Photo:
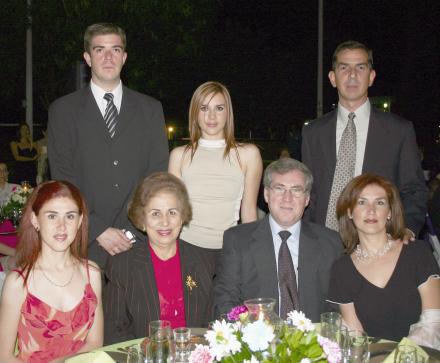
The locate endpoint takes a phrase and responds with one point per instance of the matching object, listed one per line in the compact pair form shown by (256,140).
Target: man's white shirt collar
(98,94)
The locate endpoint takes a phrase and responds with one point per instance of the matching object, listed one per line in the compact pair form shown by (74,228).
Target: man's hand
(114,241)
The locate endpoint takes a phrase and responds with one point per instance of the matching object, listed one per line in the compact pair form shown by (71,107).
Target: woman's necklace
(362,256)
(54,283)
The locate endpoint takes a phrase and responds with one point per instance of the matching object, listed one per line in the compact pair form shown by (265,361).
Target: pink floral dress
(45,333)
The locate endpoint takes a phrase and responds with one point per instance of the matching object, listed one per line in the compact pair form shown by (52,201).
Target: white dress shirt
(292,244)
(361,121)
(99,93)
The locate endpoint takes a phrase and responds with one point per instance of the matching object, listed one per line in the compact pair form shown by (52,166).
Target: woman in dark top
(161,276)
(382,286)
(25,154)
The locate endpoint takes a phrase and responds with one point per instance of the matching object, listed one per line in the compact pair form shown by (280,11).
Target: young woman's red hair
(29,241)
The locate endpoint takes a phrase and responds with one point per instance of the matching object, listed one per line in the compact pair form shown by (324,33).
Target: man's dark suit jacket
(390,151)
(131,299)
(248,268)
(105,169)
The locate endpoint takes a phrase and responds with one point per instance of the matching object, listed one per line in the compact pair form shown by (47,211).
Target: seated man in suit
(280,256)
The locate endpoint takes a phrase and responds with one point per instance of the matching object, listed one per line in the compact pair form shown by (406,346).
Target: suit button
(116,185)
(116,162)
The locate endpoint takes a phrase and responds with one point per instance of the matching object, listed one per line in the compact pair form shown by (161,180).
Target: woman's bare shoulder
(14,284)
(249,151)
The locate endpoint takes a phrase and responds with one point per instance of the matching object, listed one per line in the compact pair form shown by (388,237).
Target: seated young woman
(382,285)
(51,303)
(161,276)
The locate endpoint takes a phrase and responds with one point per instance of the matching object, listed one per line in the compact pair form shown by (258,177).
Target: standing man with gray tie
(105,138)
(356,138)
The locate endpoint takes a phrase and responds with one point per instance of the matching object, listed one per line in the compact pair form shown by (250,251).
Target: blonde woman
(222,176)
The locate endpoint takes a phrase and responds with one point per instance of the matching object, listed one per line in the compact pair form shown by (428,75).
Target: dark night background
(264,51)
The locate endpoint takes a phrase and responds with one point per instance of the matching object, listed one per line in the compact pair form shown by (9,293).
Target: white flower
(253,360)
(222,340)
(305,360)
(258,335)
(299,320)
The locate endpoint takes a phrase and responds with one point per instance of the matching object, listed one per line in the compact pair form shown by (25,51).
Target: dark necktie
(286,278)
(344,170)
(111,113)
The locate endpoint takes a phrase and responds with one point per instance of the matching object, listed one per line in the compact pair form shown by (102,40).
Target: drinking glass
(182,341)
(405,354)
(159,348)
(331,325)
(134,355)
(357,347)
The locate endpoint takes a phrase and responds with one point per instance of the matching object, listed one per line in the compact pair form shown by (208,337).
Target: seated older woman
(161,276)
(382,286)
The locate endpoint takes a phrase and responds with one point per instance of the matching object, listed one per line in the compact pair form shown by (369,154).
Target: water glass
(134,355)
(357,347)
(182,341)
(405,354)
(331,325)
(159,348)
(162,327)
(343,339)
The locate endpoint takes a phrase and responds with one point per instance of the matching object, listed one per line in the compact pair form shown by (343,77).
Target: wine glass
(357,350)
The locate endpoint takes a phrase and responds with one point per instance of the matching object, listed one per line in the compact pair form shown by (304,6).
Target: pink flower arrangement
(235,313)
(331,349)
(201,355)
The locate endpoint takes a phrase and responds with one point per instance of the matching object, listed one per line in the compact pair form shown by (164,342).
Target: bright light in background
(170,132)
(385,105)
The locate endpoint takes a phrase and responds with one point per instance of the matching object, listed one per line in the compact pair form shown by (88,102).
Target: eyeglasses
(297,191)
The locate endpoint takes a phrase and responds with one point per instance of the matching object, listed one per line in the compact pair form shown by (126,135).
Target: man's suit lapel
(262,250)
(145,280)
(328,142)
(125,117)
(378,136)
(308,262)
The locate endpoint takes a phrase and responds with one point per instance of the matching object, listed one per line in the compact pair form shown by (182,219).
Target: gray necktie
(344,170)
(286,278)
(111,113)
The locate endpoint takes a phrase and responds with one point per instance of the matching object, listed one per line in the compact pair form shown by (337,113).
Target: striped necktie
(111,114)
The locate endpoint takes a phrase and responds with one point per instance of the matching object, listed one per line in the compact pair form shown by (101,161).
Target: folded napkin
(406,341)
(91,357)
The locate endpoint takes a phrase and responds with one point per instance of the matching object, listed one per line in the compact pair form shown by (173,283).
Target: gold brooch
(190,283)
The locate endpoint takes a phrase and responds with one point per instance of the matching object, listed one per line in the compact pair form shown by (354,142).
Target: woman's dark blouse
(385,312)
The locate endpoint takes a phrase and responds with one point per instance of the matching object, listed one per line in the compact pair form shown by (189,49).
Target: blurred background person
(6,188)
(222,176)
(51,304)
(25,153)
(382,286)
(8,239)
(161,276)
(42,164)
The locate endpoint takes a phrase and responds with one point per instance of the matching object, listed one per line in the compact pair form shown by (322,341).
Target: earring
(389,218)
(143,228)
(37,229)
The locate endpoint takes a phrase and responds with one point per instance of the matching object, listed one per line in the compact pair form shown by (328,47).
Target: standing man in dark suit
(384,143)
(256,256)
(105,138)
